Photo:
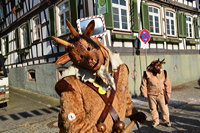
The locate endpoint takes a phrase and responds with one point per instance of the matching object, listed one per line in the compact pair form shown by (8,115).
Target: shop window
(31,75)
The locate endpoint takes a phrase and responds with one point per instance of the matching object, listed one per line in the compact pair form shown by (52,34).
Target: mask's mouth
(95,65)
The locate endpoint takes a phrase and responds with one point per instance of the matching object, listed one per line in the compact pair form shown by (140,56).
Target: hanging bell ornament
(119,125)
(101,127)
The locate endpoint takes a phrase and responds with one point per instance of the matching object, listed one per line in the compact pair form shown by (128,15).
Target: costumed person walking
(157,88)
(94,95)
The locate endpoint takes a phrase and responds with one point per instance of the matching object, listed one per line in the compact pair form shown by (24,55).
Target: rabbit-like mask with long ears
(83,50)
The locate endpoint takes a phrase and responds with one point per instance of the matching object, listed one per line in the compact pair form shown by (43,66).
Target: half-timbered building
(26,25)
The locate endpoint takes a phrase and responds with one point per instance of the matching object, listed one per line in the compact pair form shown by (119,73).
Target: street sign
(102,6)
(145,36)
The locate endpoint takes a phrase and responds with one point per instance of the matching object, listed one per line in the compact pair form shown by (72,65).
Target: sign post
(145,37)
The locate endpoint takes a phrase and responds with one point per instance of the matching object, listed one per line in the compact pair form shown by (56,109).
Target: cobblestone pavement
(29,112)
(184,110)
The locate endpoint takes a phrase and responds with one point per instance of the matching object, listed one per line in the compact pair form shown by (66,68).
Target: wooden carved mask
(156,65)
(83,50)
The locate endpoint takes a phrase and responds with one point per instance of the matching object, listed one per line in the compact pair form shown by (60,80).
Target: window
(23,36)
(31,75)
(4,47)
(154,20)
(3,72)
(120,14)
(170,23)
(198,22)
(189,29)
(1,12)
(63,14)
(36,28)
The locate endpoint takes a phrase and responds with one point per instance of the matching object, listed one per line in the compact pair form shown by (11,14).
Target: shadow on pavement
(27,114)
(181,123)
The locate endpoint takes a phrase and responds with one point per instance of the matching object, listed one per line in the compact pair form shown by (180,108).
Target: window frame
(120,7)
(170,19)
(1,11)
(192,27)
(3,45)
(31,75)
(198,21)
(21,40)
(159,20)
(59,33)
(38,28)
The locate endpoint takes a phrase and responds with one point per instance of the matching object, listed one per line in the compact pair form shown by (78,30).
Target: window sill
(156,34)
(190,38)
(174,36)
(122,30)
(37,40)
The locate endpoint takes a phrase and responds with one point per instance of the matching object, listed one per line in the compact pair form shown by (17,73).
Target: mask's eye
(81,56)
(88,48)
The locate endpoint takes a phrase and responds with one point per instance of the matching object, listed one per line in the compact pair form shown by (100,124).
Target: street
(184,110)
(29,112)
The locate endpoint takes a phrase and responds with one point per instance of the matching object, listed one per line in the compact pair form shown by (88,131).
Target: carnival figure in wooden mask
(83,51)
(156,66)
(157,88)
(94,90)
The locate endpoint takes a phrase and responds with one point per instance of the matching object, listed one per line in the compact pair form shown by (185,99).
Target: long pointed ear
(163,61)
(60,41)
(71,28)
(63,59)
(90,29)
